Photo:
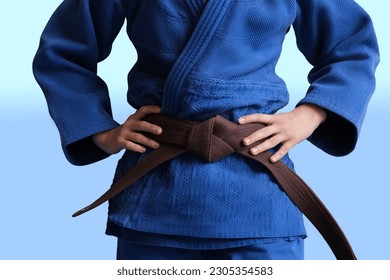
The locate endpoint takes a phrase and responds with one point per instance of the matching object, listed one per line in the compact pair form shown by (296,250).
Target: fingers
(145,110)
(286,147)
(135,122)
(257,118)
(272,129)
(142,126)
(134,127)
(136,142)
(132,146)
(277,132)
(267,145)
(261,134)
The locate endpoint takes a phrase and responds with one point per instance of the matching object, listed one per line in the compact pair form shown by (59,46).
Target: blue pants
(281,250)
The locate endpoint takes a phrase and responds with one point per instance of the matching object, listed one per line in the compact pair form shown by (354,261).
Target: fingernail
(273,159)
(241,120)
(246,141)
(254,151)
(158,130)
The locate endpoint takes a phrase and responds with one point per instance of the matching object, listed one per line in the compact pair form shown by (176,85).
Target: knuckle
(146,126)
(122,132)
(261,118)
(271,142)
(284,150)
(266,131)
(123,144)
(137,137)
(142,124)
(261,134)
(129,123)
(149,127)
(142,109)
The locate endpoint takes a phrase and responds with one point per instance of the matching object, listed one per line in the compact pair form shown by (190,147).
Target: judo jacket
(197,59)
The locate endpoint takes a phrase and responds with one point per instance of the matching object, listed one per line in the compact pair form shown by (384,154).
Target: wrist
(314,112)
(100,139)
(96,137)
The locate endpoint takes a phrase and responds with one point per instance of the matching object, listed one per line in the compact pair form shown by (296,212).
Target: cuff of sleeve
(337,135)
(83,150)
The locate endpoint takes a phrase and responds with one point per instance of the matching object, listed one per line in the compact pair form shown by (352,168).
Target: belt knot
(204,141)
(211,140)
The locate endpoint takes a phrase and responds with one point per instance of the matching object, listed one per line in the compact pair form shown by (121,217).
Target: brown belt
(215,139)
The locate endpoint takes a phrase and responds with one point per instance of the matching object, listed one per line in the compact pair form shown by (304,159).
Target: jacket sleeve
(78,35)
(338,40)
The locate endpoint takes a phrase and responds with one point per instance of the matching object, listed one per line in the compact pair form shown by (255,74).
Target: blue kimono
(197,59)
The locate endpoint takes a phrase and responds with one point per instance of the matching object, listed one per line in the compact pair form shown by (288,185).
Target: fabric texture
(197,59)
(286,249)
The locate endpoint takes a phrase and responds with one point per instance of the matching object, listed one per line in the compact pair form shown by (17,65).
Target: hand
(287,129)
(129,135)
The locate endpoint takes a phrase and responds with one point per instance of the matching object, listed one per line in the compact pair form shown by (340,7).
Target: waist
(204,98)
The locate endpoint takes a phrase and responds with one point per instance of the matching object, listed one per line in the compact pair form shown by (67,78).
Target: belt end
(80,212)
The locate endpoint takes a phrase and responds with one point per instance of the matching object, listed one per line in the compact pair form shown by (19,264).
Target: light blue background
(39,189)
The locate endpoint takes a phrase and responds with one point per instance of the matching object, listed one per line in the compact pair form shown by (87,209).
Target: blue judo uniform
(197,59)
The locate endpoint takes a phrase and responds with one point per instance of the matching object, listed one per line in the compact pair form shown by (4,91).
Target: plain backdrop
(39,189)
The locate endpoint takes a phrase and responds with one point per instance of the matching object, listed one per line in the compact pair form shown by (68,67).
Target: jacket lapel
(204,31)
